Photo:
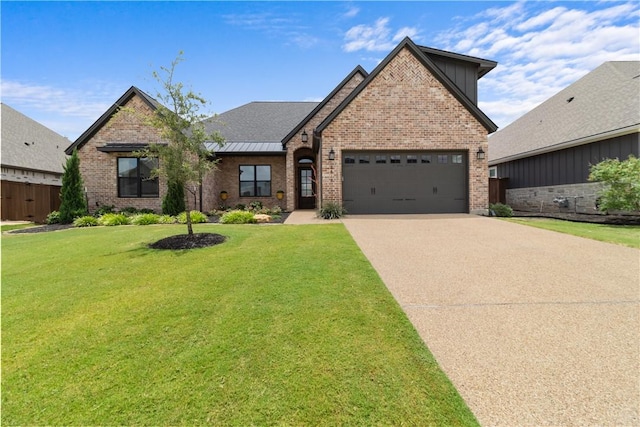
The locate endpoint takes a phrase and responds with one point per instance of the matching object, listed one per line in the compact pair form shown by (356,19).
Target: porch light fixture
(332,155)
(224,195)
(305,137)
(480,154)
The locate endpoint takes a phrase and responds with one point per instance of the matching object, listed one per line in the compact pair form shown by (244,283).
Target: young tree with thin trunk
(184,160)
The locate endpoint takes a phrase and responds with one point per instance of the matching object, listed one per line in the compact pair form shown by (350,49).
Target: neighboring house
(544,157)
(406,138)
(32,166)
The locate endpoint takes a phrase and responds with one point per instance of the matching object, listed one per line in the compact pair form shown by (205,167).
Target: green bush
(72,200)
(166,219)
(238,217)
(331,210)
(111,219)
(196,217)
(85,221)
(173,202)
(145,219)
(255,206)
(239,207)
(502,210)
(129,211)
(104,209)
(53,217)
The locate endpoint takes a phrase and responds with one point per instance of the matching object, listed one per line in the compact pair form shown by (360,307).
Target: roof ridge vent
(571,99)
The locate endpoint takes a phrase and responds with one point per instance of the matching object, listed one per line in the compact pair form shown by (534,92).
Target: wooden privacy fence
(498,190)
(23,201)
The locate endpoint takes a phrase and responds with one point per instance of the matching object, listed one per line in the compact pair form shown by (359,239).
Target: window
(255,180)
(412,158)
(443,158)
(134,177)
(349,159)
(394,159)
(456,158)
(363,159)
(425,158)
(493,172)
(381,159)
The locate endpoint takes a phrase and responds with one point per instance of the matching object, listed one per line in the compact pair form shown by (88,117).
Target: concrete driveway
(533,327)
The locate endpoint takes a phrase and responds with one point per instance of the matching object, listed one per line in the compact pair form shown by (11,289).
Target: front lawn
(279,325)
(627,235)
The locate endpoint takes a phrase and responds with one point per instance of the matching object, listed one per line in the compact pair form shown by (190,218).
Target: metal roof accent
(248,148)
(604,103)
(27,144)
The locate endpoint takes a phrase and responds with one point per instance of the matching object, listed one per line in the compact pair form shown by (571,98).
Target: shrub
(166,219)
(173,202)
(53,217)
(129,211)
(238,217)
(499,209)
(622,184)
(72,201)
(114,219)
(85,221)
(196,217)
(239,207)
(145,219)
(105,209)
(255,206)
(331,210)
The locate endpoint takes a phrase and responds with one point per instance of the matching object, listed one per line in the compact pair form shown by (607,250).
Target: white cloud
(541,51)
(68,111)
(377,37)
(352,12)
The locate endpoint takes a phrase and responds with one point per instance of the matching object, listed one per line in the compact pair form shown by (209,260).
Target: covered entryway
(306,183)
(388,182)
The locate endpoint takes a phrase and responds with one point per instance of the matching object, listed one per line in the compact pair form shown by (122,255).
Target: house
(544,157)
(406,138)
(32,166)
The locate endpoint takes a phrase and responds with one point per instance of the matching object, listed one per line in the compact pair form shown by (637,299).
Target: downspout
(317,148)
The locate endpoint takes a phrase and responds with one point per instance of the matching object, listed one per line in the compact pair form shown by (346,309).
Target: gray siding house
(544,157)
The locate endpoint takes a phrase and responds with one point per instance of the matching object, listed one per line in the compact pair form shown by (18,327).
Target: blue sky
(65,63)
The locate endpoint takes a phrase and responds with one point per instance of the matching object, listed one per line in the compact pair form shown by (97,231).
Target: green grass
(627,235)
(9,227)
(280,325)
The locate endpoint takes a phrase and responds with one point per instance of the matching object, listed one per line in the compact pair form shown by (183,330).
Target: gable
(145,102)
(408,46)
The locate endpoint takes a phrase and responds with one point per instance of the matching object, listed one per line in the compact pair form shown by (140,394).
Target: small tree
(622,183)
(72,201)
(173,202)
(185,159)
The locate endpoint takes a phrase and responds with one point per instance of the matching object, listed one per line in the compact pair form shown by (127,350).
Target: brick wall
(296,149)
(100,171)
(406,108)
(580,198)
(226,177)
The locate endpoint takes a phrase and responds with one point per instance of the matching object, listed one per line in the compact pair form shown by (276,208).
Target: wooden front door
(306,188)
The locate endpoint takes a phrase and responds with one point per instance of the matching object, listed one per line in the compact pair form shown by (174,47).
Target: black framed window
(134,177)
(255,180)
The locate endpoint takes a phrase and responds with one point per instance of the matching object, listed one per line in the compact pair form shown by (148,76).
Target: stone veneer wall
(581,198)
(295,143)
(100,170)
(406,108)
(226,177)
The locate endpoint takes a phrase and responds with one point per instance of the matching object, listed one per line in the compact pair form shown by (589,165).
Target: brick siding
(405,108)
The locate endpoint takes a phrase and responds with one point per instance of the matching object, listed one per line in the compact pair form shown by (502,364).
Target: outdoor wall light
(305,137)
(480,154)
(224,195)
(332,155)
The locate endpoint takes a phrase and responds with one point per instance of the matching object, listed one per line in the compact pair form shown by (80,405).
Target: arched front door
(306,184)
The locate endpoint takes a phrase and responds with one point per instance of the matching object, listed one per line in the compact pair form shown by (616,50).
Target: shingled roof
(257,127)
(603,104)
(27,144)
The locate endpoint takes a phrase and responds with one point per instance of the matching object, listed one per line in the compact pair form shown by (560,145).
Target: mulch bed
(41,228)
(189,241)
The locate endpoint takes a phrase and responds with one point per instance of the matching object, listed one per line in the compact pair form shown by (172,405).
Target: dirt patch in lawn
(189,241)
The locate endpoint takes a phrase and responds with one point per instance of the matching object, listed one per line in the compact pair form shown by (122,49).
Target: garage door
(404,182)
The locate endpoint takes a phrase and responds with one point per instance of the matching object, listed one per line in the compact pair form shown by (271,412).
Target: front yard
(279,325)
